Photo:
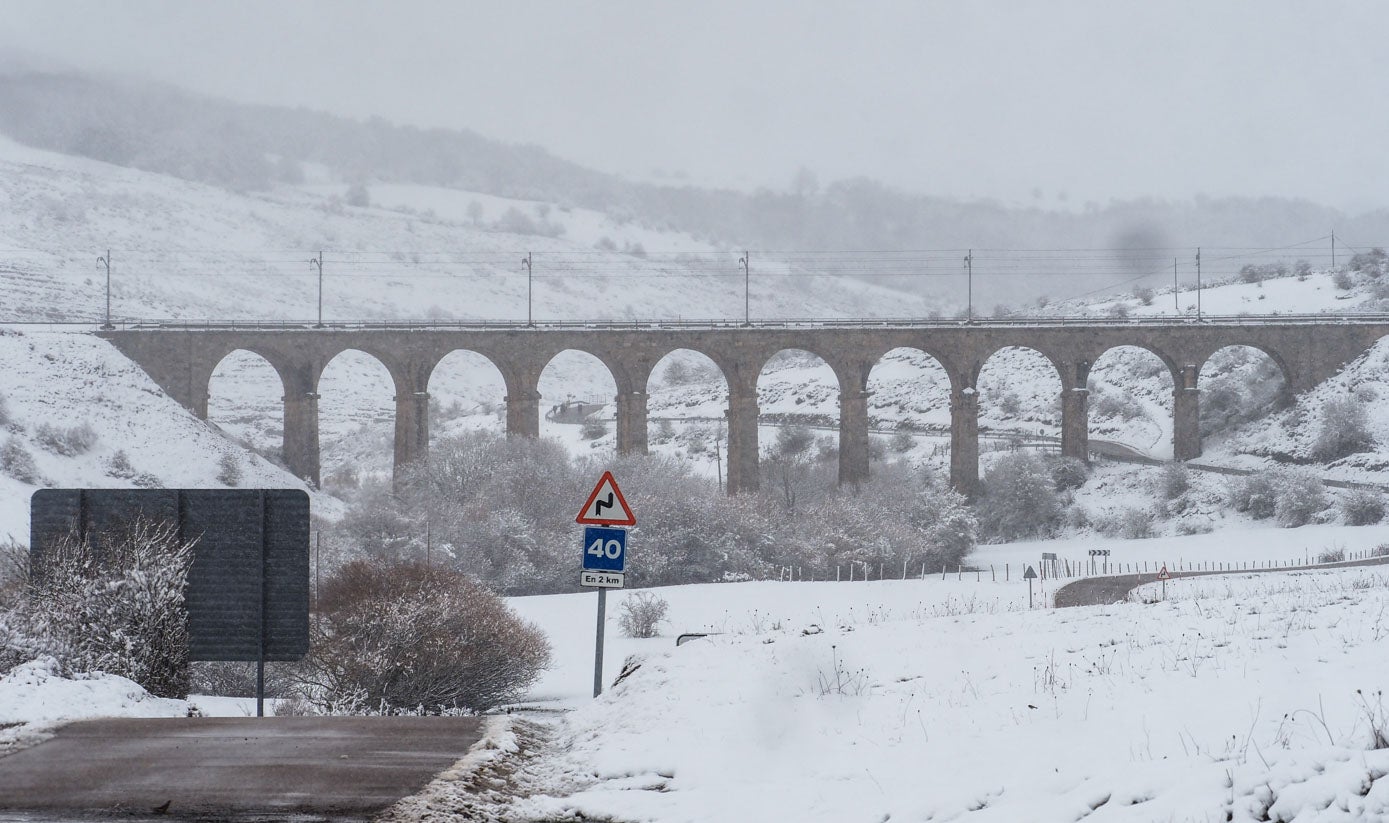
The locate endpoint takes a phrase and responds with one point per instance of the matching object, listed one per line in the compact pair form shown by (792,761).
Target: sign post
(1029,575)
(1163,576)
(604,564)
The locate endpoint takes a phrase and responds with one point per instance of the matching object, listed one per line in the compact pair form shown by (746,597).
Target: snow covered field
(1244,698)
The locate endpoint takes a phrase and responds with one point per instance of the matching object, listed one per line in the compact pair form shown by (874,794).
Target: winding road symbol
(606,506)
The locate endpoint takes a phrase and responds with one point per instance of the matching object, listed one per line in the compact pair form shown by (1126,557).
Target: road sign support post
(598,643)
(604,563)
(1030,575)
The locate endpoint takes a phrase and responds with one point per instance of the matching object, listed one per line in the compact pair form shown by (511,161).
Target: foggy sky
(1045,103)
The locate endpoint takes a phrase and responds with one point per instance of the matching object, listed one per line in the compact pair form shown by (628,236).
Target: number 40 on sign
(605,549)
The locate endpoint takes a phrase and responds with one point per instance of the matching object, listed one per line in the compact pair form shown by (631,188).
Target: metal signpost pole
(604,563)
(598,645)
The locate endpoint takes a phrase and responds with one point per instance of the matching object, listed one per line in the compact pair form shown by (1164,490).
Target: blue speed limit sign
(605,549)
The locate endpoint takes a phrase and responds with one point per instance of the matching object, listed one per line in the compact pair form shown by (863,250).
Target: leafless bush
(229,470)
(1332,555)
(17,462)
(67,441)
(117,606)
(403,637)
(593,428)
(1300,496)
(1382,550)
(641,613)
(1362,507)
(1343,430)
(118,465)
(146,480)
(228,678)
(1173,481)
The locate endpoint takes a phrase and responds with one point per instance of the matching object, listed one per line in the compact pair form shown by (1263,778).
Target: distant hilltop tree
(357,195)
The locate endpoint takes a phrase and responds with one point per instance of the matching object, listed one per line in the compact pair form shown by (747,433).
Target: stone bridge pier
(181,361)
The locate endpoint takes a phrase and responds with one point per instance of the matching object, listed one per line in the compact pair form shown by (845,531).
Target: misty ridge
(1104,247)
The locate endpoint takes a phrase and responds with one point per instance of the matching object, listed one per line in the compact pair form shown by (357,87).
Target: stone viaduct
(181,360)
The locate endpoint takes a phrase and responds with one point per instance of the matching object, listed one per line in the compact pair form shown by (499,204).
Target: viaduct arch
(181,361)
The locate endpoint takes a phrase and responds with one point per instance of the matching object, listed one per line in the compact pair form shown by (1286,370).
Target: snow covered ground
(1244,698)
(35,699)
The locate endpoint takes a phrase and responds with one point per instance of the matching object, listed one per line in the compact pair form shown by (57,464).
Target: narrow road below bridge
(1102,591)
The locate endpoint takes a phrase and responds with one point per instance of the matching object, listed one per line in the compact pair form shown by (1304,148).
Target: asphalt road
(1101,591)
(225,768)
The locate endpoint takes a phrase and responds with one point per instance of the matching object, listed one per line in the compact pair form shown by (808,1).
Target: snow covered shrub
(116,606)
(228,470)
(1253,494)
(1144,295)
(228,678)
(17,462)
(1136,524)
(1068,473)
(1019,499)
(1371,263)
(1300,496)
(146,480)
(593,428)
(665,432)
(118,465)
(403,637)
(1382,550)
(5,418)
(901,442)
(1335,555)
(357,195)
(67,441)
(1173,481)
(1361,507)
(794,440)
(1343,430)
(1196,524)
(1342,280)
(641,613)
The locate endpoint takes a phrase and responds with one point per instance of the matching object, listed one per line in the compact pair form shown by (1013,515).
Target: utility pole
(530,288)
(1176,298)
(969,302)
(318,262)
(1198,282)
(106,261)
(718,459)
(747,289)
(1333,249)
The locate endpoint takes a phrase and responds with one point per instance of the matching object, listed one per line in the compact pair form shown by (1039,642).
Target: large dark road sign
(249,581)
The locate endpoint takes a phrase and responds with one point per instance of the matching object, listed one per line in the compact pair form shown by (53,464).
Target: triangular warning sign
(1162,573)
(1029,574)
(606,506)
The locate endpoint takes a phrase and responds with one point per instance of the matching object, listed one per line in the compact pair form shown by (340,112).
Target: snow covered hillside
(76,413)
(1253,696)
(193,252)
